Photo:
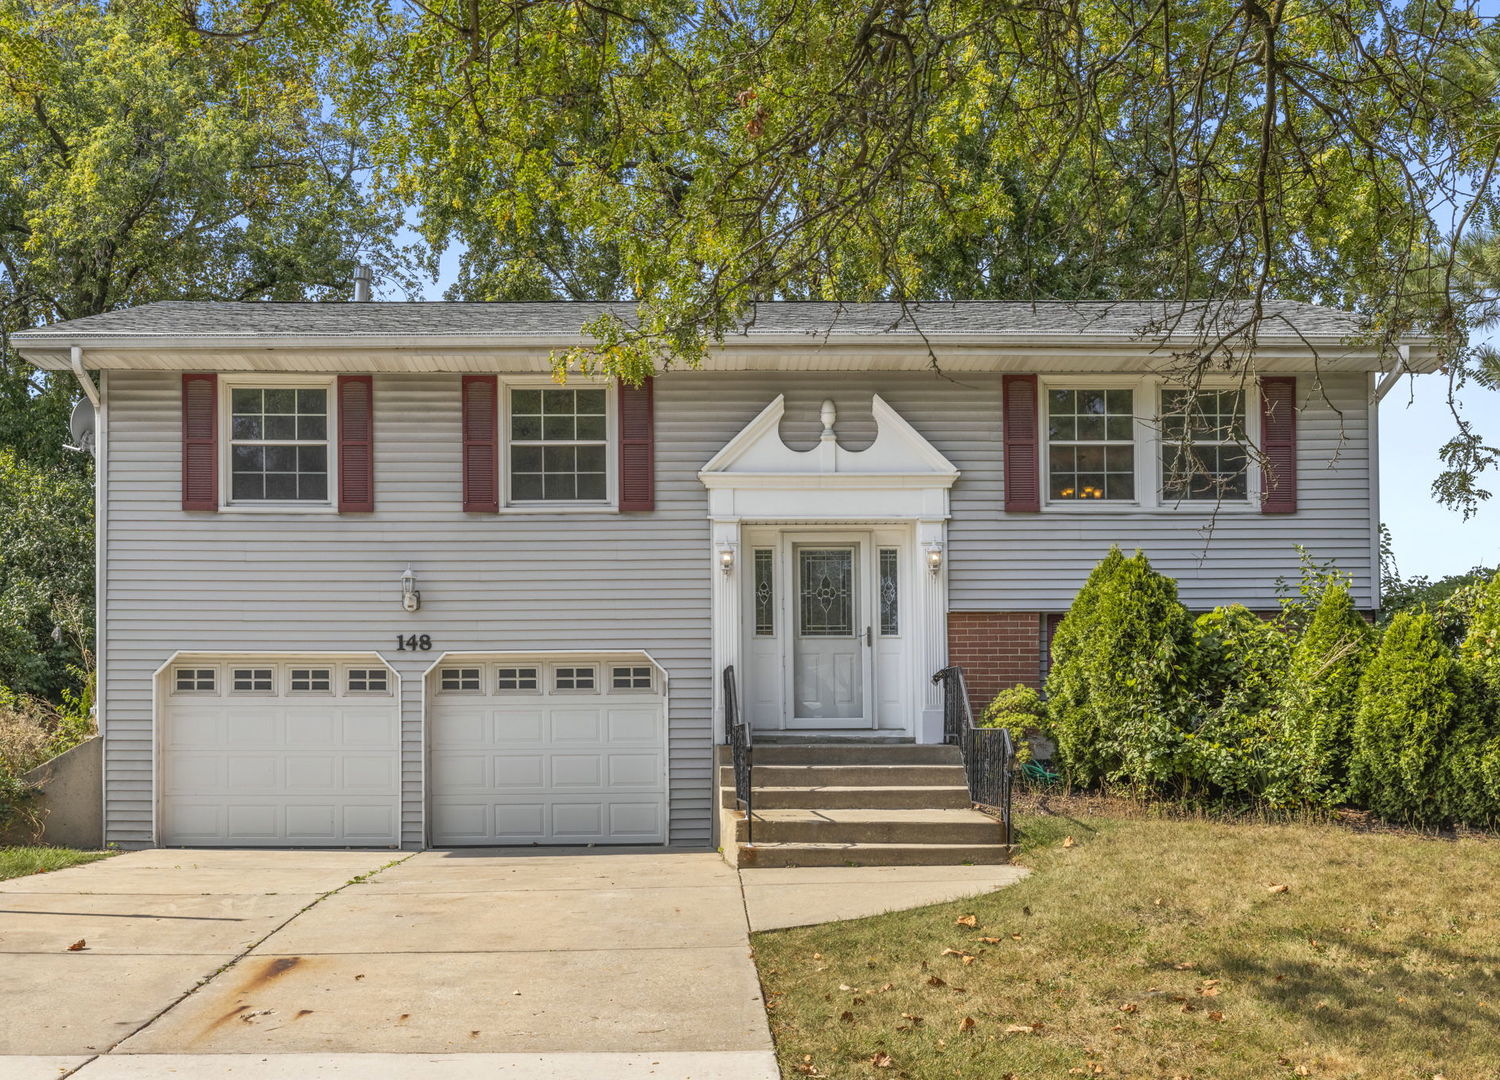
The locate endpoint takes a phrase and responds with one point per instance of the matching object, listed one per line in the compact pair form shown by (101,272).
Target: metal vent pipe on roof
(362,278)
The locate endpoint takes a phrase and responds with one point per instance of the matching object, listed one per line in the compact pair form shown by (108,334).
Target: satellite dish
(81,424)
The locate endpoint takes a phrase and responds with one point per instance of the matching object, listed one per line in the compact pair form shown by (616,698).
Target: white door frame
(899,480)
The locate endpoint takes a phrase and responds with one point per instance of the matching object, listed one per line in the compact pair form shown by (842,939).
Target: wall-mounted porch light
(411,600)
(726,558)
(934,557)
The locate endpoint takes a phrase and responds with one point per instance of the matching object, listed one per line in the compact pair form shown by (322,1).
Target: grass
(1165,950)
(20,861)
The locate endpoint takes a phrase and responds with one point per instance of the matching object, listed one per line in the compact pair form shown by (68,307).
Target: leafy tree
(1120,665)
(138,164)
(1407,760)
(1321,697)
(46,575)
(700,157)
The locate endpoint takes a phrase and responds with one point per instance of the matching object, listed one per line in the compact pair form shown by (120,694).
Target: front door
(831,636)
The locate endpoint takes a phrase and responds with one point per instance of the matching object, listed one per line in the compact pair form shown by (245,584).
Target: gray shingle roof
(205,320)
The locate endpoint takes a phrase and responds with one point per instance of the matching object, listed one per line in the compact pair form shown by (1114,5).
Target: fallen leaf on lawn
(887,986)
(966,1024)
(1217,1016)
(1302,1070)
(1023,1029)
(857,1001)
(933,980)
(78,945)
(847,1017)
(990,940)
(913,1018)
(1117,1029)
(1186,965)
(1277,888)
(845,986)
(1189,1007)
(1068,842)
(881,1061)
(966,920)
(1128,1007)
(817,956)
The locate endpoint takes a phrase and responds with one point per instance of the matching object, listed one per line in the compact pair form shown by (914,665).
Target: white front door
(831,635)
(823,634)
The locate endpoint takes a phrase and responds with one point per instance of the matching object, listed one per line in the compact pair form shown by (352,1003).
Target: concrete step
(767,775)
(862,826)
(954,797)
(855,753)
(776,854)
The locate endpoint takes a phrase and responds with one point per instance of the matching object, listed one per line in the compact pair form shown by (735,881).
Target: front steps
(856,804)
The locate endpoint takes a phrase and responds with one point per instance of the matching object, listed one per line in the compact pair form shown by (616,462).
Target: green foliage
(1321,697)
(140,161)
(1020,711)
(1410,727)
(46,575)
(1239,667)
(1480,649)
(1116,690)
(1451,600)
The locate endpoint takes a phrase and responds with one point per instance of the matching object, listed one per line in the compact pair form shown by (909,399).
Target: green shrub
(1020,711)
(1411,728)
(1480,650)
(1321,697)
(1119,677)
(1239,672)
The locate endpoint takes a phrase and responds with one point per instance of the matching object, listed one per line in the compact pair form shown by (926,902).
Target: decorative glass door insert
(829,651)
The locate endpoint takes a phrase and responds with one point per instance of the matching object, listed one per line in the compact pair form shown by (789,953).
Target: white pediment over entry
(899,475)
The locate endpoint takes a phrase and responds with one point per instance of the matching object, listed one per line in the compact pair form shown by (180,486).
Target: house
(369,576)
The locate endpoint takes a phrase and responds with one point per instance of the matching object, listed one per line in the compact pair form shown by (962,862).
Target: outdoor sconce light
(411,600)
(935,557)
(726,559)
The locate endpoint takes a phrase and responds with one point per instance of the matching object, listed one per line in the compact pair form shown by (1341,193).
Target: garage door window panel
(195,680)
(518,680)
(367,681)
(253,681)
(578,679)
(634,677)
(311,681)
(460,680)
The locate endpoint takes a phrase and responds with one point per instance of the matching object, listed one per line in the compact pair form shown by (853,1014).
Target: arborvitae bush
(1020,710)
(1321,697)
(1412,711)
(1480,651)
(1479,654)
(1119,677)
(1239,671)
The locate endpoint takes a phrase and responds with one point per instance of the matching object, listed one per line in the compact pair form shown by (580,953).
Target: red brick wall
(996,649)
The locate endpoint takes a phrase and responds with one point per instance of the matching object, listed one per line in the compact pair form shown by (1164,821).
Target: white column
(725,612)
(932,644)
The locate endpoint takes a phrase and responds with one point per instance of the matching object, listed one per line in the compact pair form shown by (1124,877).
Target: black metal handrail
(989,754)
(740,751)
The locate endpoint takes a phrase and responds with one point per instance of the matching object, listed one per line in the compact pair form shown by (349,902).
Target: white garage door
(301,753)
(548,751)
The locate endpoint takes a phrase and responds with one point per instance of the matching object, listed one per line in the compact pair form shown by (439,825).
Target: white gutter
(90,390)
(1389,380)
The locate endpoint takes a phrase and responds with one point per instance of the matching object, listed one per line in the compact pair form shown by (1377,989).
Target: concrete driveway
(626,963)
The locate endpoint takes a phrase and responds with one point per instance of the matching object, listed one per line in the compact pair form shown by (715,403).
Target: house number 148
(413,643)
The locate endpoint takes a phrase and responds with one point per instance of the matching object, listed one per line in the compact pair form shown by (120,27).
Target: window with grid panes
(1090,445)
(559,445)
(278,444)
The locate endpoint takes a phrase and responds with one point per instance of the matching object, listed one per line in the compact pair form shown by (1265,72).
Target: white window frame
(461,667)
(536,666)
(333,680)
(633,666)
(343,690)
(227,385)
(1146,400)
(598,666)
(276,679)
(218,677)
(611,502)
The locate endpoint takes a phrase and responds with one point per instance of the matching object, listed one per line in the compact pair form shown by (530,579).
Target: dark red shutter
(1278,444)
(481,431)
(356,445)
(200,442)
(1023,492)
(637,447)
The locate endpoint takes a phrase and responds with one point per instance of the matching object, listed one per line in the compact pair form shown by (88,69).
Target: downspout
(1388,381)
(89,389)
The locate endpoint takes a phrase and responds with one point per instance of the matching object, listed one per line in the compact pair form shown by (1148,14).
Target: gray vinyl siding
(330,583)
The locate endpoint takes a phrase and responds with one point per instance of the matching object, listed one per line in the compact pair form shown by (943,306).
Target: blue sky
(1414,422)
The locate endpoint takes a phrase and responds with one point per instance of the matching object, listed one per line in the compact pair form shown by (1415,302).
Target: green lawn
(20,861)
(1165,950)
